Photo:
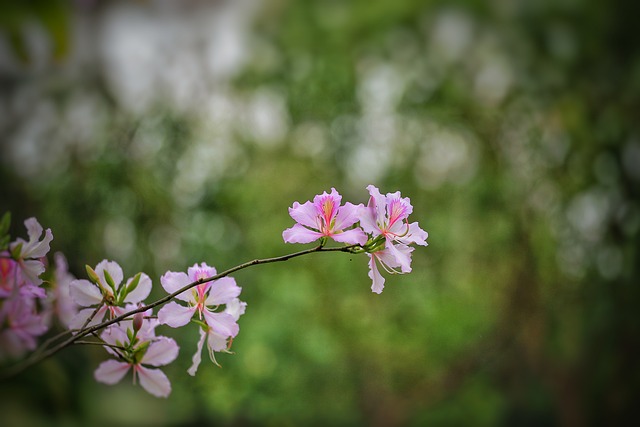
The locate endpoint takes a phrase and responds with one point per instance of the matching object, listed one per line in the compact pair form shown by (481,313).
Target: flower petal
(347,216)
(85,293)
(154,381)
(141,291)
(300,234)
(31,270)
(197,356)
(175,315)
(375,276)
(222,291)
(378,203)
(216,342)
(415,235)
(367,217)
(402,255)
(81,317)
(161,352)
(222,323)
(351,237)
(236,308)
(172,282)
(111,371)
(114,270)
(305,214)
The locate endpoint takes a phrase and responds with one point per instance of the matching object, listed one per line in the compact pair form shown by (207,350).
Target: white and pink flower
(141,351)
(108,295)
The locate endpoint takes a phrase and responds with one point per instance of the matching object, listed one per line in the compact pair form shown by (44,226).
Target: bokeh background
(164,133)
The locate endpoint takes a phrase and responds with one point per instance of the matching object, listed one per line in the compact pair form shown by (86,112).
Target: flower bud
(137,321)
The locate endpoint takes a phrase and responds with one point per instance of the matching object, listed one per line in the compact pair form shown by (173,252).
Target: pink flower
(14,283)
(108,294)
(385,219)
(21,324)
(28,253)
(216,341)
(202,300)
(389,263)
(324,217)
(387,216)
(141,353)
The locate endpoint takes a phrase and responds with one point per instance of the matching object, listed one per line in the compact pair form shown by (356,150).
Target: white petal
(236,308)
(161,352)
(222,291)
(172,281)
(154,381)
(85,293)
(111,371)
(197,356)
(31,270)
(175,315)
(375,276)
(216,342)
(222,323)
(115,271)
(141,291)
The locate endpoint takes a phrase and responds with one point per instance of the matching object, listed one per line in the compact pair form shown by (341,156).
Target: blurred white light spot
(587,213)
(451,35)
(445,155)
(492,81)
(267,118)
(609,262)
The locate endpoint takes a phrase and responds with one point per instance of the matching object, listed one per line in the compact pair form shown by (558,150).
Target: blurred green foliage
(512,126)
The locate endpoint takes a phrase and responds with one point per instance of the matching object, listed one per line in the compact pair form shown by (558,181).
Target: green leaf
(5,222)
(110,281)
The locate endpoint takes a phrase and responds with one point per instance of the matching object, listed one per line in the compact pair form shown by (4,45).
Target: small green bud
(16,251)
(93,276)
(132,285)
(110,281)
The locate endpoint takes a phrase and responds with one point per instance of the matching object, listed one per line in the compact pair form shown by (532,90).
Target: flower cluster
(23,308)
(218,327)
(136,346)
(112,310)
(381,229)
(133,340)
